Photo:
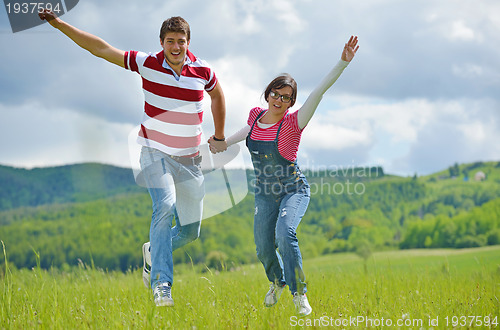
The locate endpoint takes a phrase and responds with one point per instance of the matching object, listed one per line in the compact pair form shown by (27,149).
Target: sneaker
(301,304)
(163,295)
(273,294)
(146,269)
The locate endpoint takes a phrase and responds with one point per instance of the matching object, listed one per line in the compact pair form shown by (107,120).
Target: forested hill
(21,187)
(97,214)
(71,183)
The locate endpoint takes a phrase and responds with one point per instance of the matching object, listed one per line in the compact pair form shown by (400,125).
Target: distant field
(417,288)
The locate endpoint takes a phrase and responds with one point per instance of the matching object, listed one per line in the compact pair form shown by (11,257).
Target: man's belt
(196,160)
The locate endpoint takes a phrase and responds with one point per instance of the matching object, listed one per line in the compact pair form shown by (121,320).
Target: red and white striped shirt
(289,137)
(173,109)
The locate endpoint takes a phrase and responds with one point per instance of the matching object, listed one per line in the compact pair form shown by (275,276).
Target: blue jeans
(177,192)
(275,224)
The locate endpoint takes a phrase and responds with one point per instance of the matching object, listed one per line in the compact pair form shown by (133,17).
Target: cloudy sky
(422,93)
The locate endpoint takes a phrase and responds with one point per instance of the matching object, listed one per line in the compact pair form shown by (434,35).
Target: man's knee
(164,208)
(163,216)
(191,232)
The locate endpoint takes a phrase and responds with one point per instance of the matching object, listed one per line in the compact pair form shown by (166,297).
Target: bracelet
(216,139)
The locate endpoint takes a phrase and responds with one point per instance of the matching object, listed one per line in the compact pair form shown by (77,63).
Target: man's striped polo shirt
(173,108)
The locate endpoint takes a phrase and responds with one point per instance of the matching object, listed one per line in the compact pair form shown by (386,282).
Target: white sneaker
(301,304)
(273,294)
(163,295)
(146,268)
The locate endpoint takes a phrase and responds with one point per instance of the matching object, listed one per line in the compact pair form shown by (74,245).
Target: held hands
(217,146)
(350,49)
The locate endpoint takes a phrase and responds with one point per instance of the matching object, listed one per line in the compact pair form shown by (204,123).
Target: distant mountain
(70,183)
(83,210)
(20,187)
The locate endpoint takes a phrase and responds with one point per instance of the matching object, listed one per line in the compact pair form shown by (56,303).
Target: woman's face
(275,100)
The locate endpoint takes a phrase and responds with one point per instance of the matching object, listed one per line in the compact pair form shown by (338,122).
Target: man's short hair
(175,24)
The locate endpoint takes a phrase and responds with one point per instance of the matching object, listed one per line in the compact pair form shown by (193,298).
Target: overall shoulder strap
(279,129)
(255,121)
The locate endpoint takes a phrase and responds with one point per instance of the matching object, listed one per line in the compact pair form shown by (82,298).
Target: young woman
(281,191)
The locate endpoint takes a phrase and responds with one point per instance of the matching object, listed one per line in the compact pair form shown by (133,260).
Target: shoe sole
(277,299)
(168,303)
(267,305)
(304,315)
(146,275)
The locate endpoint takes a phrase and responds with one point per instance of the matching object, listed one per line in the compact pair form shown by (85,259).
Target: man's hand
(49,16)
(350,49)
(217,146)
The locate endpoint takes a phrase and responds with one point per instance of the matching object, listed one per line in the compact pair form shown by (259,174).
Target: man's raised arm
(90,42)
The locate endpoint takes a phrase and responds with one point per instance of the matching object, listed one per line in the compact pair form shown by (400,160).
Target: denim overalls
(282,195)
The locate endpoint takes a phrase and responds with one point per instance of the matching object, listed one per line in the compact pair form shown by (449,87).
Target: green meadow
(406,289)
(406,253)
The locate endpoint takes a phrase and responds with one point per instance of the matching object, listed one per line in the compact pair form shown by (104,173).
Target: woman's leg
(292,208)
(266,214)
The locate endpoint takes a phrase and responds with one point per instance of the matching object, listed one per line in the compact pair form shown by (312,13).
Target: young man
(173,84)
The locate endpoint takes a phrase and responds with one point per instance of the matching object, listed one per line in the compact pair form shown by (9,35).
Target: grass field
(437,289)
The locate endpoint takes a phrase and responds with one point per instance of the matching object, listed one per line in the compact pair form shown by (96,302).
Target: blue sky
(421,94)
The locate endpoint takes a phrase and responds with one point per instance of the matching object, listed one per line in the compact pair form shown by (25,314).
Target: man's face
(175,46)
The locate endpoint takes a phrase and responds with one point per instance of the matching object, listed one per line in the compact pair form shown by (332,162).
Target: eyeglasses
(284,98)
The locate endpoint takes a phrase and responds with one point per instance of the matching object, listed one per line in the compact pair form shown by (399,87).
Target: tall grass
(410,285)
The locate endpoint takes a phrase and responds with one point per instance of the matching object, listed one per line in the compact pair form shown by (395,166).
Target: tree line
(391,213)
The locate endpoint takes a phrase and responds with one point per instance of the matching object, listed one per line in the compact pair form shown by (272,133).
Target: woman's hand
(216,146)
(350,49)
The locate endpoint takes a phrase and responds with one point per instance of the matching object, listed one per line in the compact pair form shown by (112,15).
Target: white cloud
(42,136)
(464,131)
(326,135)
(400,119)
(241,79)
(460,31)
(474,132)
(404,136)
(462,21)
(468,70)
